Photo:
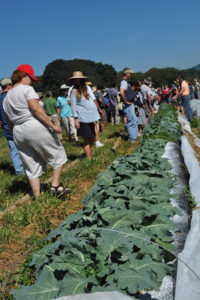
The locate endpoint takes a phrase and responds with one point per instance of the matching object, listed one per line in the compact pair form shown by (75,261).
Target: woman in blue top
(85,110)
(64,112)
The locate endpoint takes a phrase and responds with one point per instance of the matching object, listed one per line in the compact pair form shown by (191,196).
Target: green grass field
(30,223)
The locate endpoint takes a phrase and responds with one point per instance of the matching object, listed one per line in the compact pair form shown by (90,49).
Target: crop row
(121,239)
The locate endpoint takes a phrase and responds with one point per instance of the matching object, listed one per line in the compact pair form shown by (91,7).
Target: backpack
(97,95)
(130,94)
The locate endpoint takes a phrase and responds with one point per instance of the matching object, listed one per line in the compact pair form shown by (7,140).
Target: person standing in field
(113,99)
(128,106)
(141,110)
(107,106)
(6,85)
(191,89)
(99,125)
(196,89)
(64,112)
(33,132)
(166,92)
(185,95)
(179,99)
(85,110)
(174,94)
(51,110)
(99,97)
(146,91)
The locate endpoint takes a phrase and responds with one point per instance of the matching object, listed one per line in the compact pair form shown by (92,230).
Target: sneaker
(99,144)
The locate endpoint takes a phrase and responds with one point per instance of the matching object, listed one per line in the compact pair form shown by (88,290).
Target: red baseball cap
(28,70)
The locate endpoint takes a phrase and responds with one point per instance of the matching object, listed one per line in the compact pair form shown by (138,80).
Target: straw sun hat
(89,83)
(77,75)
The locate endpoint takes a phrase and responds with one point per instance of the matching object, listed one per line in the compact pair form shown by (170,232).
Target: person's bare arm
(58,113)
(101,100)
(183,88)
(181,91)
(123,97)
(41,115)
(98,107)
(73,100)
(176,95)
(150,106)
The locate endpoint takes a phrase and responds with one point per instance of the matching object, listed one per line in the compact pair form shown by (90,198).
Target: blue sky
(128,33)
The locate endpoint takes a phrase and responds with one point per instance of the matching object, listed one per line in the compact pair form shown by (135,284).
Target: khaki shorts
(103,118)
(55,120)
(38,146)
(69,125)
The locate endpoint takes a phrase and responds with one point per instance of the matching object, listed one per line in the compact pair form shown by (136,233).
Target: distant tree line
(59,71)
(165,75)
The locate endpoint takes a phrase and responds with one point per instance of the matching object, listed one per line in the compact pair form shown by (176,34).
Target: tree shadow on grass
(7,168)
(118,134)
(74,156)
(21,185)
(18,185)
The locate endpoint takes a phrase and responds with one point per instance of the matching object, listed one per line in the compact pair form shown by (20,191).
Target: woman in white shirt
(34,133)
(85,111)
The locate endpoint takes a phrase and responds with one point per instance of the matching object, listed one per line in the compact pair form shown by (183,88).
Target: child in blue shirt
(64,112)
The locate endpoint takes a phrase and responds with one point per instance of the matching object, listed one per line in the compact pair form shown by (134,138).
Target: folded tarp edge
(188,273)
(195,106)
(186,126)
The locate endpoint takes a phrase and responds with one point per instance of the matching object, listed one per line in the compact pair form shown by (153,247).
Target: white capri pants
(38,147)
(69,125)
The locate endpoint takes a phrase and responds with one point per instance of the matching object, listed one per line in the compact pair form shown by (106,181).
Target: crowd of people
(33,124)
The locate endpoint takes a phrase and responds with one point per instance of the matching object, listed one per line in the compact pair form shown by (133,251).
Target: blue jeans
(169,100)
(132,121)
(15,158)
(187,107)
(192,95)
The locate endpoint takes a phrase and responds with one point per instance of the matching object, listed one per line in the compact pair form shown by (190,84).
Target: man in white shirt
(147,93)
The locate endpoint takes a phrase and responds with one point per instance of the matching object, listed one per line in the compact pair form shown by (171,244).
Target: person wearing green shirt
(51,110)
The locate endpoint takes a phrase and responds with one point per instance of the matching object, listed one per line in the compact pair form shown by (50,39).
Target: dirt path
(14,249)
(27,199)
(13,255)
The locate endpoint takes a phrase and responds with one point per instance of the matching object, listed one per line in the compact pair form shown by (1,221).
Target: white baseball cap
(64,87)
(127,70)
(5,81)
